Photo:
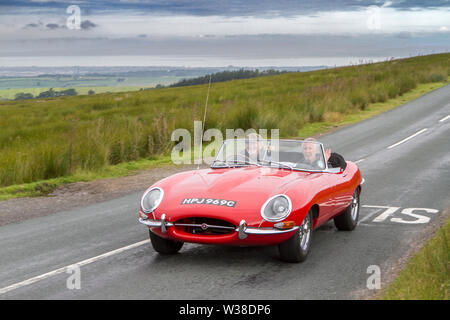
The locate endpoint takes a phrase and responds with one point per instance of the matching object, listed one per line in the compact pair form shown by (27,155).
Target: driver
(253,149)
(311,156)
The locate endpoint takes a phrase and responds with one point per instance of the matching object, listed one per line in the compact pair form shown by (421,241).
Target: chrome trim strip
(154,223)
(163,223)
(200,225)
(323,156)
(269,230)
(243,230)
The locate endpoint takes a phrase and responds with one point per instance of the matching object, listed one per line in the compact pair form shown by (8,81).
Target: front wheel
(348,219)
(165,246)
(296,249)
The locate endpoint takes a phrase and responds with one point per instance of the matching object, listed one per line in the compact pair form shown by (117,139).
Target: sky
(218,32)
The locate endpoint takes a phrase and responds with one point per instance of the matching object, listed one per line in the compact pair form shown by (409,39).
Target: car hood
(248,187)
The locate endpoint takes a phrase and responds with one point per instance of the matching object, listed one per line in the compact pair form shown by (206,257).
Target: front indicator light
(284,225)
(143,216)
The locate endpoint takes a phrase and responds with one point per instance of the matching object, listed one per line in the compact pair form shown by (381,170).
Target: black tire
(348,219)
(165,246)
(296,249)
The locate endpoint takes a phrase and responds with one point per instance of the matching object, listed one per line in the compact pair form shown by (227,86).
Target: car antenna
(204,120)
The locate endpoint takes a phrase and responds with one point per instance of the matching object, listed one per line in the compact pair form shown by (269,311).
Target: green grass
(45,139)
(427,275)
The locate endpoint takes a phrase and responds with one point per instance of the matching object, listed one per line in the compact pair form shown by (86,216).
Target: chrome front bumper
(242,230)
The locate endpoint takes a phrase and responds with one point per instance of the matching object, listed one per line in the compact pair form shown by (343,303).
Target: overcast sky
(220,32)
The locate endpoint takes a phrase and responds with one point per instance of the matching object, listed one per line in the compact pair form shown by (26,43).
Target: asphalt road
(400,182)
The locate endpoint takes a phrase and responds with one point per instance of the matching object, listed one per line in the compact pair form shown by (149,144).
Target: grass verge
(427,275)
(45,187)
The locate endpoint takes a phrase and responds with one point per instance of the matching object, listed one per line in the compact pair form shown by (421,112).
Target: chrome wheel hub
(354,206)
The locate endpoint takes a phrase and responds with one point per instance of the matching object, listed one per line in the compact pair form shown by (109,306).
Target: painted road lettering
(391,214)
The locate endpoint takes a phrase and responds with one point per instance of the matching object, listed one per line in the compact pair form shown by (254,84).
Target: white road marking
(420,219)
(370,215)
(63,269)
(409,138)
(445,118)
(389,212)
(360,160)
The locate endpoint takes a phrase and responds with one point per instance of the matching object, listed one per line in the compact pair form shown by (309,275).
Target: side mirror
(334,170)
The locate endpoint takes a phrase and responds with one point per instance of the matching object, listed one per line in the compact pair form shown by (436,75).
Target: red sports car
(256,192)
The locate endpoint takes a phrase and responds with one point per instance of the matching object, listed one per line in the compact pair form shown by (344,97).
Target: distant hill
(226,76)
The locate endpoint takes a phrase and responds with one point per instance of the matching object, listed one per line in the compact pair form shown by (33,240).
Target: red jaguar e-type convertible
(256,192)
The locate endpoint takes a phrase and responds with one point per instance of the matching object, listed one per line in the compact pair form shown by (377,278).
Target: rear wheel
(348,219)
(165,246)
(296,249)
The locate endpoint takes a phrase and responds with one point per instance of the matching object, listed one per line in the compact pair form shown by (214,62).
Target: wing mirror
(334,170)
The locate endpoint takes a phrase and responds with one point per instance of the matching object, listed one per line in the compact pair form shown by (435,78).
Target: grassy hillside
(48,138)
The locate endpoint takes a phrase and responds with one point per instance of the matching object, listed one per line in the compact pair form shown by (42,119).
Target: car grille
(205,226)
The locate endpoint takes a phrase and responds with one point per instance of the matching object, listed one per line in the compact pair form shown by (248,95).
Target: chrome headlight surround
(156,203)
(268,205)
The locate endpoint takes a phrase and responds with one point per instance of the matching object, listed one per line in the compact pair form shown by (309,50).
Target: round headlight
(276,208)
(151,199)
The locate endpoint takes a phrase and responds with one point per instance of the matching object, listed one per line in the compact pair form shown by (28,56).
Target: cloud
(235,29)
(87,24)
(32,25)
(53,26)
(229,8)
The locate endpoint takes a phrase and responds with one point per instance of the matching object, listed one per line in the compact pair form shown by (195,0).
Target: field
(50,138)
(10,94)
(100,84)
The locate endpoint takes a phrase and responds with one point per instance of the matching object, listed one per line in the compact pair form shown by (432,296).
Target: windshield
(289,154)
